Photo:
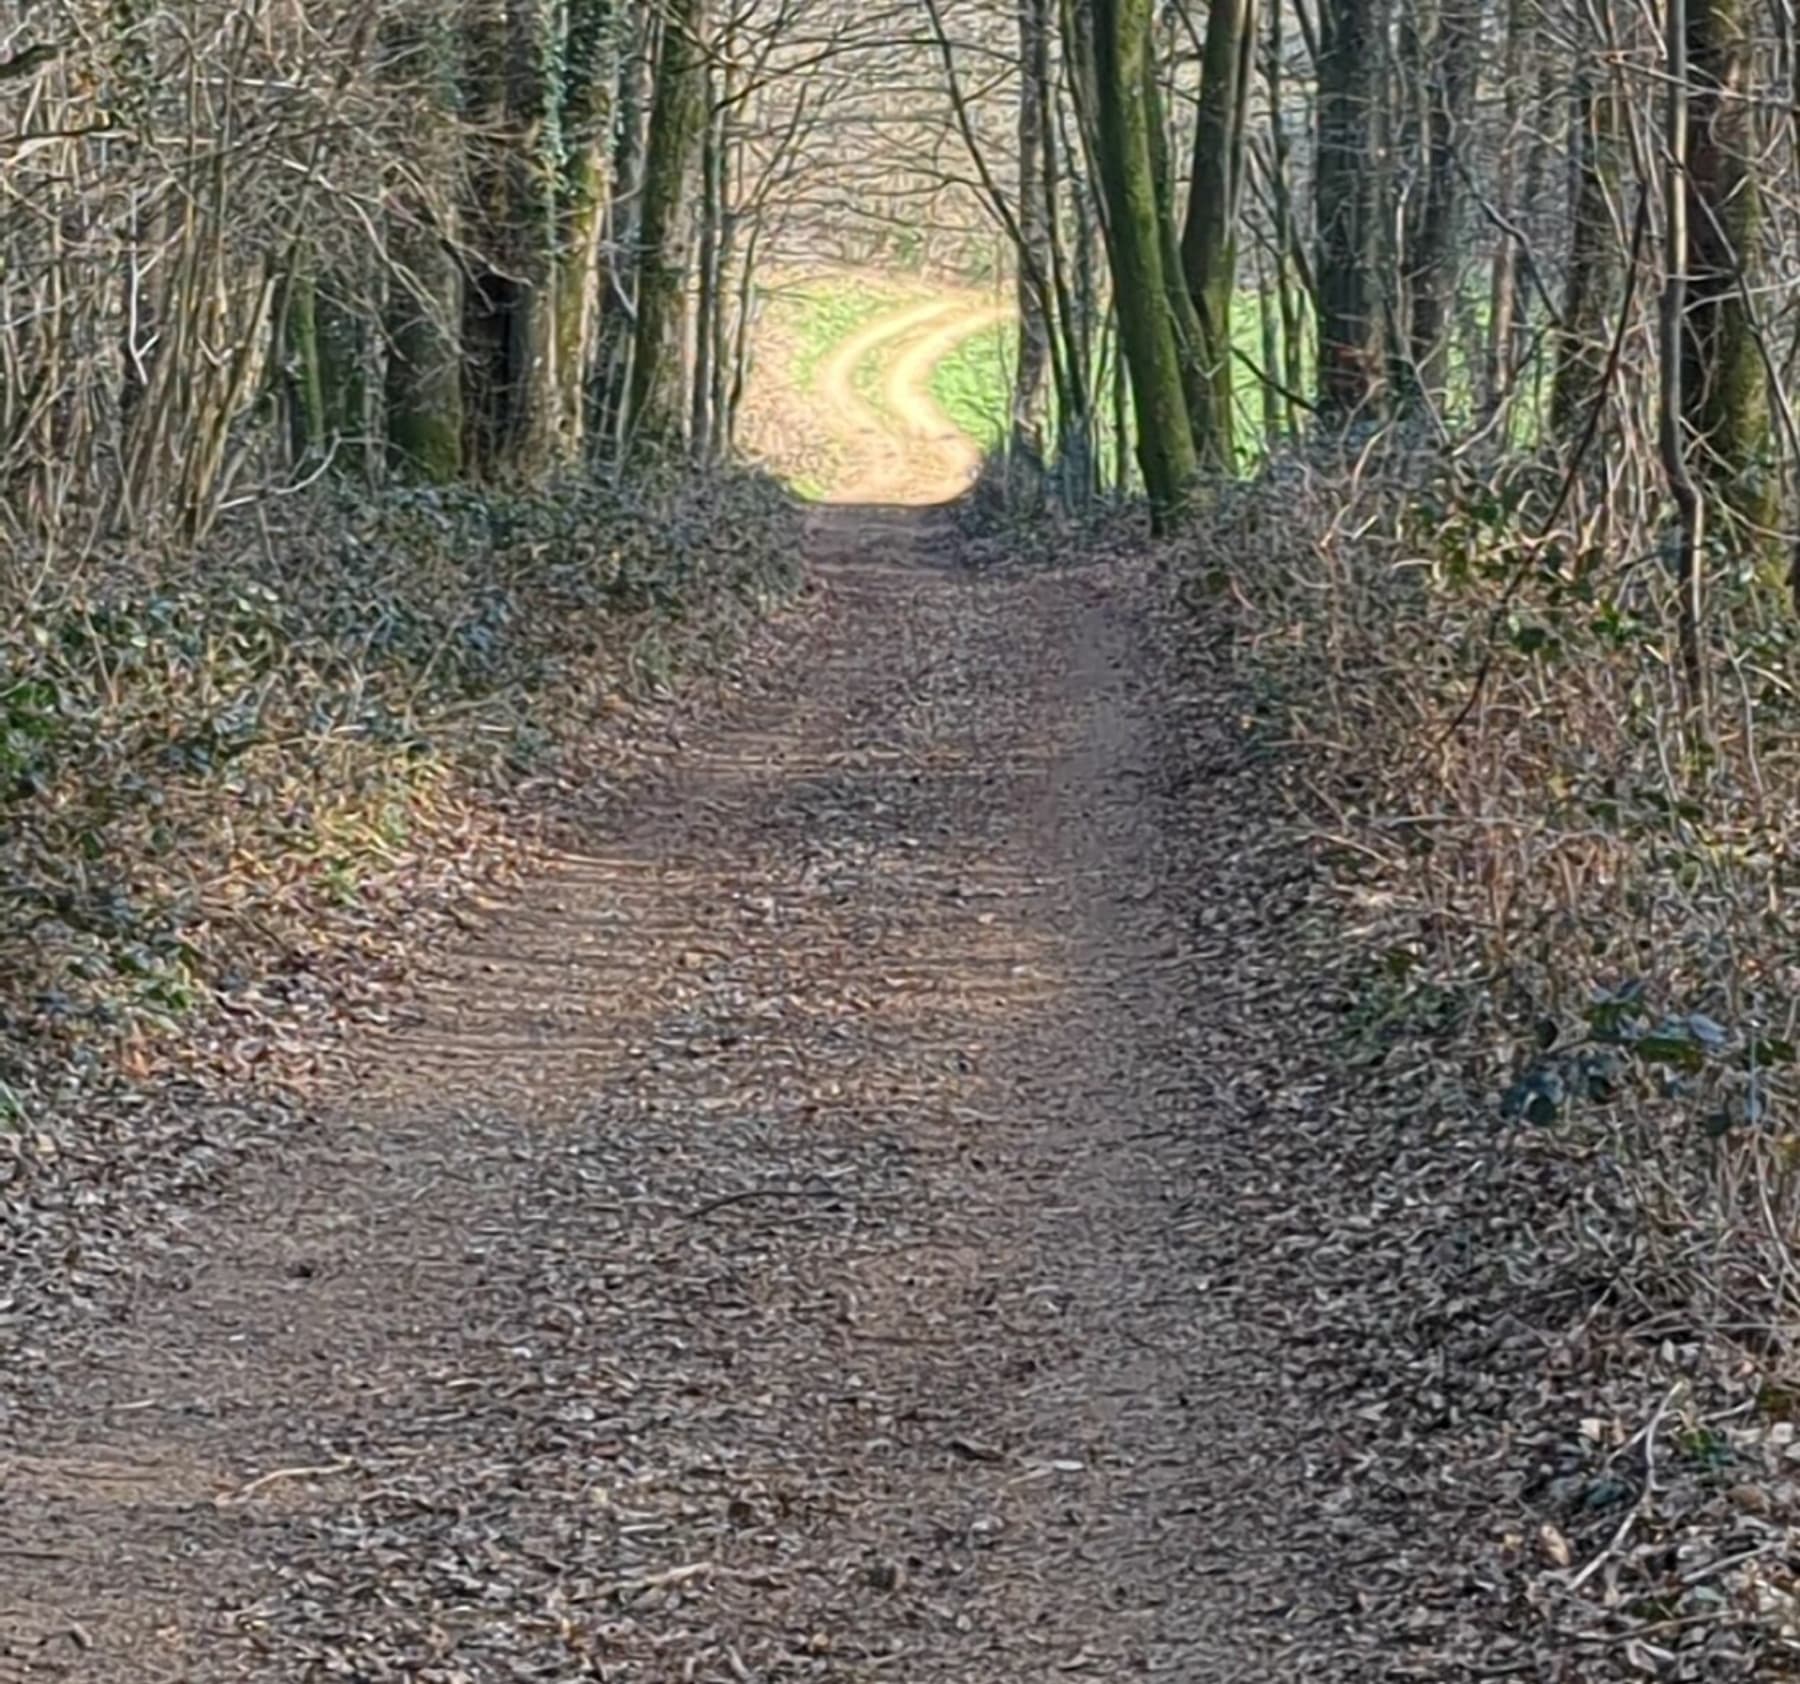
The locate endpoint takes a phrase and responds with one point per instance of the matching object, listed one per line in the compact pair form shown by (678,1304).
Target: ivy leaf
(1536,1098)
(1671,1043)
(1708,1031)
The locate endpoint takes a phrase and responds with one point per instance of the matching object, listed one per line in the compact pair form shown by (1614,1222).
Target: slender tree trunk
(656,410)
(1037,261)
(1293,278)
(1209,239)
(1503,275)
(1594,270)
(609,384)
(709,264)
(1673,334)
(1274,409)
(1451,85)
(1211,447)
(1086,330)
(1724,378)
(1124,148)
(1347,191)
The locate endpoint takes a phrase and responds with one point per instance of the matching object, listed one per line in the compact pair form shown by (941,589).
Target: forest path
(904,450)
(803,1239)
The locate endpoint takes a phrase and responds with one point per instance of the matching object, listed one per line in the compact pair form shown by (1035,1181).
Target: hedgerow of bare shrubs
(1566,887)
(211,766)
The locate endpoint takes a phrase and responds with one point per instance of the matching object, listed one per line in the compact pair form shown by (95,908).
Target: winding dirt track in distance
(913,454)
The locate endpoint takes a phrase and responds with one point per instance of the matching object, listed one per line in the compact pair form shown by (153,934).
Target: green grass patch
(825,313)
(973,385)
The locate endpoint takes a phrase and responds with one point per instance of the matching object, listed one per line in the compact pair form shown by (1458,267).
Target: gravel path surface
(804,1239)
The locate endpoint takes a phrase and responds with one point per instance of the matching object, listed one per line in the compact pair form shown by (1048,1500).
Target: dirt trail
(787,1249)
(912,453)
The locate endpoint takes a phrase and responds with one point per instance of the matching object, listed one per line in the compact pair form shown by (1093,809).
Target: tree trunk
(590,66)
(1594,269)
(1724,378)
(536,161)
(1123,113)
(1211,448)
(1293,277)
(345,358)
(488,298)
(1037,260)
(608,385)
(1503,277)
(1451,86)
(709,311)
(509,333)
(1673,334)
(656,409)
(1347,191)
(1209,240)
(305,390)
(423,394)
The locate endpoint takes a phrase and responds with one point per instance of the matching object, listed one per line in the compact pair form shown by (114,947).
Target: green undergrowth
(214,770)
(973,385)
(827,311)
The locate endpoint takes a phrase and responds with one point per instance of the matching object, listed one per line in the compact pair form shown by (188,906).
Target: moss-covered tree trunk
(1209,238)
(1210,448)
(534,104)
(656,408)
(326,362)
(1724,377)
(1120,82)
(346,358)
(1347,192)
(590,68)
(303,386)
(1595,264)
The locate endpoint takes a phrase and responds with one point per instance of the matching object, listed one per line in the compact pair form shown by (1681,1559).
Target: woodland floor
(848,1220)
